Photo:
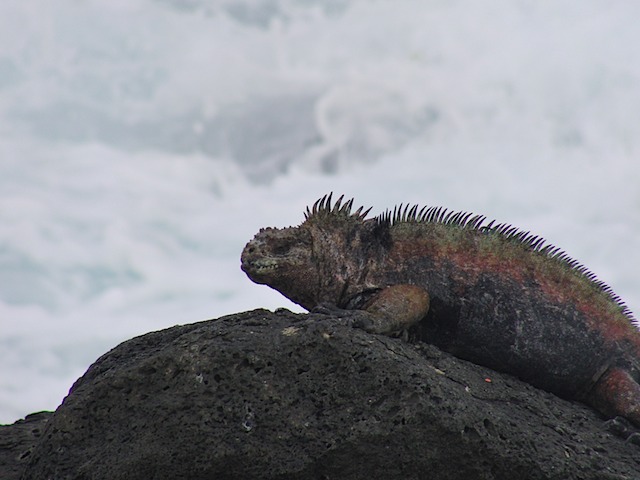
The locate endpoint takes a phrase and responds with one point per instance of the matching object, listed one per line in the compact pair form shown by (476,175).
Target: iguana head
(325,259)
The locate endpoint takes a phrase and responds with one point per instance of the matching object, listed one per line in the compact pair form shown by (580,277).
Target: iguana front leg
(390,311)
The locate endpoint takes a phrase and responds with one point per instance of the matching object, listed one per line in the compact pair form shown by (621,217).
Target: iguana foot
(620,427)
(634,438)
(391,311)
(623,428)
(354,318)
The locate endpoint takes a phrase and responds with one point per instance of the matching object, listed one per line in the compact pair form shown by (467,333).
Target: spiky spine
(414,214)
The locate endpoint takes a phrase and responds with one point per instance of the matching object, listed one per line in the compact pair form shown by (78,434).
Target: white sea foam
(142,143)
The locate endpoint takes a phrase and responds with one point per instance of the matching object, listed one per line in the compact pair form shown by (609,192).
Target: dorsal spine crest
(414,214)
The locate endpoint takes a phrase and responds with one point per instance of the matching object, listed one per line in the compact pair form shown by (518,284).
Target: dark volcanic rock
(263,395)
(17,442)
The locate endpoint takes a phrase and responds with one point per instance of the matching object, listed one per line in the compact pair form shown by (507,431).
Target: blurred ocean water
(144,142)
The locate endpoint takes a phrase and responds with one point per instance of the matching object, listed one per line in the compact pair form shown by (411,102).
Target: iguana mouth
(260,265)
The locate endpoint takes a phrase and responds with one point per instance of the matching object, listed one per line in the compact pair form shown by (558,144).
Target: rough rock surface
(17,442)
(263,395)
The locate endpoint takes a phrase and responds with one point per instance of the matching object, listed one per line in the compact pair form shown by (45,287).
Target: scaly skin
(486,293)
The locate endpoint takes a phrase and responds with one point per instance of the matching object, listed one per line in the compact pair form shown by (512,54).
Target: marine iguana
(488,293)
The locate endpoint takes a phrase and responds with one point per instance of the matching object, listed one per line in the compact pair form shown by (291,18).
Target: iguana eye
(281,248)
